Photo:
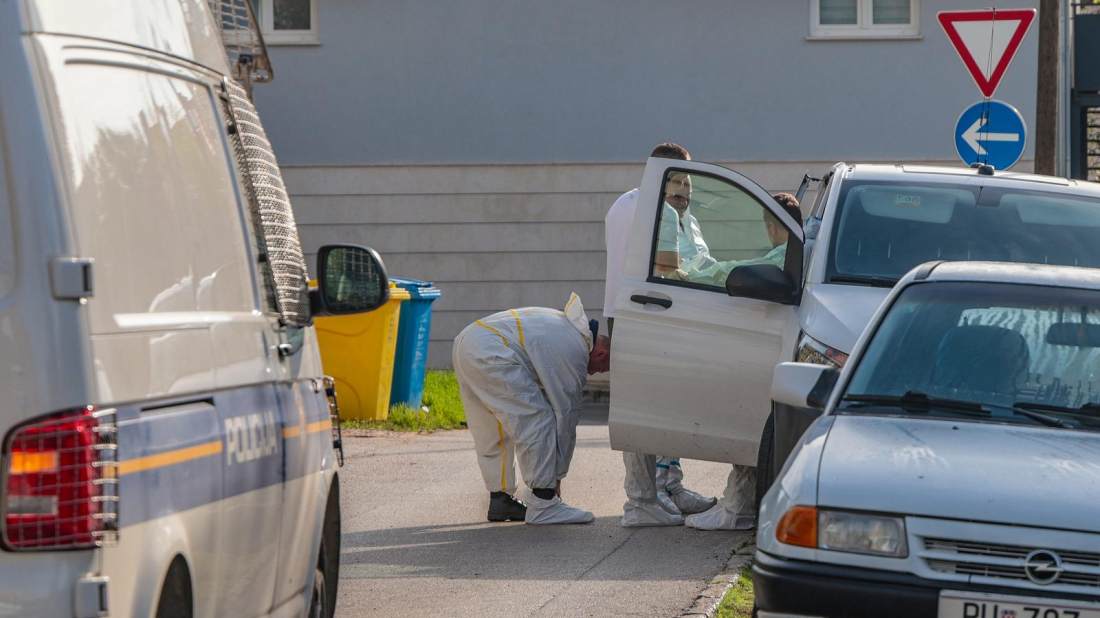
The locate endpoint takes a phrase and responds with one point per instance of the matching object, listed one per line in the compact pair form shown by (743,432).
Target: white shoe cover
(689,502)
(720,518)
(667,503)
(554,511)
(642,514)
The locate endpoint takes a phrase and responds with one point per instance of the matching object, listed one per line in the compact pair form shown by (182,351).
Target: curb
(706,604)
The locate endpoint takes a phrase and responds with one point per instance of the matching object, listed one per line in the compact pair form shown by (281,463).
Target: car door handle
(651,300)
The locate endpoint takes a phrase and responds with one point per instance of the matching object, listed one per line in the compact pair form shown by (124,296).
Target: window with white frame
(289,22)
(850,19)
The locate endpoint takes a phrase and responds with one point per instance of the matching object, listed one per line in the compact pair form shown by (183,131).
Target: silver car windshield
(1019,352)
(883,229)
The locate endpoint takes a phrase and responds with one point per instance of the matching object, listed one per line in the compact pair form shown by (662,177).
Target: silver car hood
(1013,474)
(837,314)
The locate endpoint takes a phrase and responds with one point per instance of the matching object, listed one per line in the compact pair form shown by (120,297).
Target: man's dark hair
(668,150)
(790,204)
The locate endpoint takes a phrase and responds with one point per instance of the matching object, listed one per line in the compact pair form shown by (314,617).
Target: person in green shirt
(716,274)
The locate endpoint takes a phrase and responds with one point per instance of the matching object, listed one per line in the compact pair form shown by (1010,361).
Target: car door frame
(652,378)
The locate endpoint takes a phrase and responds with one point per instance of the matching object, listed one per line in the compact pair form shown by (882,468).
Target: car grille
(1006,561)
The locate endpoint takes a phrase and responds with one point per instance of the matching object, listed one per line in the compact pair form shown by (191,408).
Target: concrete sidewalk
(415,540)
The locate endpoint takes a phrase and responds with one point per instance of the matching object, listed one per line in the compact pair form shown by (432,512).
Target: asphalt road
(415,540)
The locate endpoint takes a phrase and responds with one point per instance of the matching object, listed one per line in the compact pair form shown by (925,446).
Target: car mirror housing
(769,282)
(762,282)
(803,385)
(350,279)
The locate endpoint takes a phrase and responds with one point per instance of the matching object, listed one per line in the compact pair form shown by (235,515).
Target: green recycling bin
(411,358)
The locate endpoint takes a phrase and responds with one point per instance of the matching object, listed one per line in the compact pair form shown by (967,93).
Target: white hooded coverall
(520,374)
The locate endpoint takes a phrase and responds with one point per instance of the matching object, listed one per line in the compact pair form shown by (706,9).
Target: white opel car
(694,355)
(956,469)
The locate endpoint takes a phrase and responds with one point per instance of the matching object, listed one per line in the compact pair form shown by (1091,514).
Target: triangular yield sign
(986,41)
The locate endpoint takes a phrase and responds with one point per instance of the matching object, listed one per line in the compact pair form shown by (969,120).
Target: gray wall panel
(492,81)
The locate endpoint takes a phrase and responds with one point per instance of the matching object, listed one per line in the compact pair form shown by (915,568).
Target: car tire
(765,461)
(322,600)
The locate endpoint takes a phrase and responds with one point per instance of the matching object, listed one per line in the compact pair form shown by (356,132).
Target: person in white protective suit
(520,374)
(737,508)
(654,485)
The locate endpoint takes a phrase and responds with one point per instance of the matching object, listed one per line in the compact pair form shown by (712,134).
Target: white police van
(167,436)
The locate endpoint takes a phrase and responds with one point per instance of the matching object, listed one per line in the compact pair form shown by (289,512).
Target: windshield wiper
(1089,410)
(875,282)
(915,401)
(1049,421)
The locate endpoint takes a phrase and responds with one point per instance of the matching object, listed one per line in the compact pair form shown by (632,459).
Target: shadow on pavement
(515,551)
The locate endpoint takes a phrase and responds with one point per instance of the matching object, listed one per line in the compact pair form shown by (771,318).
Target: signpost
(986,40)
(991,132)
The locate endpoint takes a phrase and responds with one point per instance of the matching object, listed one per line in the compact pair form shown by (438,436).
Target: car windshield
(884,229)
(1021,353)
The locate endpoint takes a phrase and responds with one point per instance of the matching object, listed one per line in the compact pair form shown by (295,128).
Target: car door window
(707,226)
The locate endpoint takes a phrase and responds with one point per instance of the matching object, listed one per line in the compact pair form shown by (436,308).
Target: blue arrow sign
(991,132)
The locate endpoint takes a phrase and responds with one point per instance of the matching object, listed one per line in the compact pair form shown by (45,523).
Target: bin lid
(398,293)
(416,288)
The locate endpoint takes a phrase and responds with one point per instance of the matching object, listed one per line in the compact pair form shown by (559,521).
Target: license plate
(973,605)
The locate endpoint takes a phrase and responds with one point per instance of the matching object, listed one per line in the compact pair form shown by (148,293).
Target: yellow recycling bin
(358,351)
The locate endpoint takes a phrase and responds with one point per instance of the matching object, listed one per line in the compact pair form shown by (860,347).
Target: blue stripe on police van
(196,454)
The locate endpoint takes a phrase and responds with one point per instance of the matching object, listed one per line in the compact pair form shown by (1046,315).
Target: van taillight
(60,479)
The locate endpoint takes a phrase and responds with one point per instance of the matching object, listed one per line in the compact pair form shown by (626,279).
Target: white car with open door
(696,341)
(954,471)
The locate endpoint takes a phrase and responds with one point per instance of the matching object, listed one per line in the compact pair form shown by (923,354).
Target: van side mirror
(768,281)
(350,279)
(762,282)
(803,385)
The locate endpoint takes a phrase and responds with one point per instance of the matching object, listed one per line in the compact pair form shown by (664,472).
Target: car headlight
(860,533)
(811,350)
(856,533)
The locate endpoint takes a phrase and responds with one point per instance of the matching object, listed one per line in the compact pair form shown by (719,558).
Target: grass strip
(442,400)
(739,598)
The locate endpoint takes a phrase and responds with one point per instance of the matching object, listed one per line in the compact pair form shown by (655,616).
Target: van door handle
(642,299)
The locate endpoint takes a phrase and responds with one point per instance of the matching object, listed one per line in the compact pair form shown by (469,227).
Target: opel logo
(1043,567)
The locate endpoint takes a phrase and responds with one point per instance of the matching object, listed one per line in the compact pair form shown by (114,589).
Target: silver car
(956,469)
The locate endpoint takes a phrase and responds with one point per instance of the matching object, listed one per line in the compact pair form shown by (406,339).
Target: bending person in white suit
(520,373)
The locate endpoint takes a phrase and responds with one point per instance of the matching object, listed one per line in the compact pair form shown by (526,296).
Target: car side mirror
(350,279)
(762,282)
(803,385)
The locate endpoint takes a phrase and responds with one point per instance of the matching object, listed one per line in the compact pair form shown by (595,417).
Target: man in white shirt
(647,474)
(680,233)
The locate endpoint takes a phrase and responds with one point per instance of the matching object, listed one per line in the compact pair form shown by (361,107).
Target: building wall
(494,81)
(478,144)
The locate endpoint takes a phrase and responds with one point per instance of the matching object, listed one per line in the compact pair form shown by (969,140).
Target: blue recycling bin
(411,358)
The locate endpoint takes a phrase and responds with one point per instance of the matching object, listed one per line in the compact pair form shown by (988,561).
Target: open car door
(694,346)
